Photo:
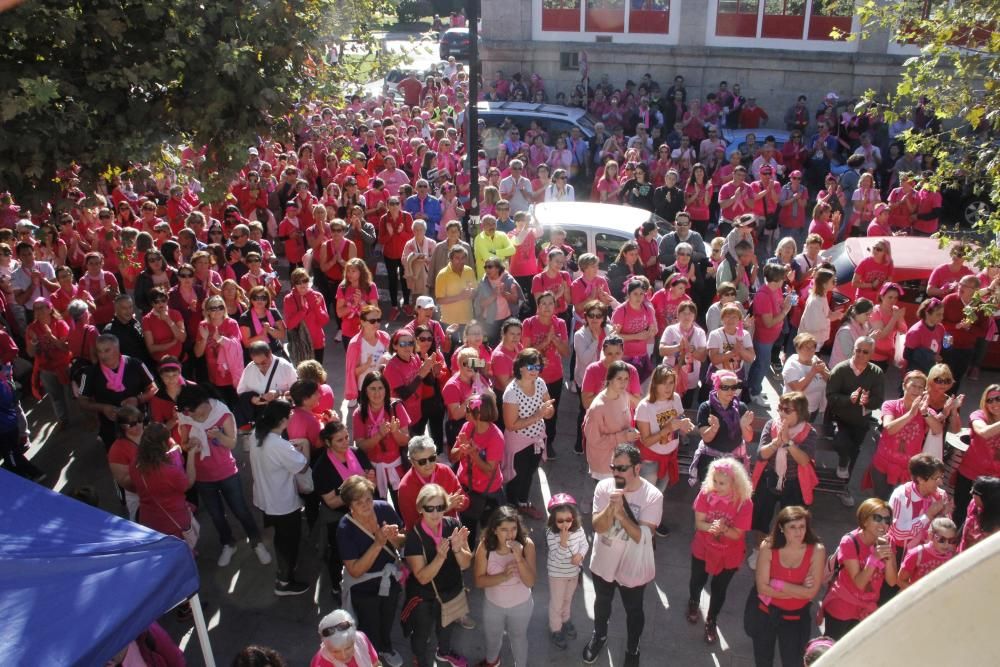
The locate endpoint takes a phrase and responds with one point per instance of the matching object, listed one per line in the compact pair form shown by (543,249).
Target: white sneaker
(571,386)
(263,555)
(847,499)
(227,555)
(339,337)
(391,659)
(353,403)
(752,560)
(759,400)
(843,472)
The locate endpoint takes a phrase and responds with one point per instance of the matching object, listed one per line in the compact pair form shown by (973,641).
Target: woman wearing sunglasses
(123,453)
(437,551)
(425,468)
(337,461)
(940,547)
(724,422)
(342,644)
(263,322)
(307,307)
(980,459)
(405,372)
(218,341)
(864,562)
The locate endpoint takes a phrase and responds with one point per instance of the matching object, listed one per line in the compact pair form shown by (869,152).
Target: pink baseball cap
(560,499)
(795,174)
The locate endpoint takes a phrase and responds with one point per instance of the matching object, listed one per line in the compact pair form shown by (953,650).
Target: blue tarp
(76,583)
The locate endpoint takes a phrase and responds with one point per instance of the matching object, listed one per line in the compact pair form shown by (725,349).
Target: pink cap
(560,499)
(795,174)
(881,207)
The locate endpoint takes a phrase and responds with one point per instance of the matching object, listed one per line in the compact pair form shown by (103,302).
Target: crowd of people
(187,327)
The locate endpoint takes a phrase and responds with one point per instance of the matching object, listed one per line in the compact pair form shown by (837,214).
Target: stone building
(775,49)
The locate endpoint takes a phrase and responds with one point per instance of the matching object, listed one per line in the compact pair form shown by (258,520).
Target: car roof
(913,257)
(591,215)
(548,110)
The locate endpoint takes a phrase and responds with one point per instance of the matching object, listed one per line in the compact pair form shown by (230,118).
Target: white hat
(338,629)
(425,302)
(832,96)
(253,151)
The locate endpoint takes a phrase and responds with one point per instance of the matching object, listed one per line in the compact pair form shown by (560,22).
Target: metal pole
(472,113)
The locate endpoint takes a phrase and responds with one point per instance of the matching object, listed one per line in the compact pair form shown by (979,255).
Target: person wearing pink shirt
(698,197)
(550,336)
(929,204)
(903,203)
(888,322)
(734,200)
(557,281)
(825,223)
(395,229)
(906,422)
(792,209)
(381,429)
(865,198)
(292,232)
(771,307)
(666,300)
(873,271)
(925,339)
(723,513)
(305,305)
(944,279)
(965,332)
(879,226)
(590,286)
(917,503)
(940,547)
(980,459)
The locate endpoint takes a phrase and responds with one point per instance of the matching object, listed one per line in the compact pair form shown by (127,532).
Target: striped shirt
(559,560)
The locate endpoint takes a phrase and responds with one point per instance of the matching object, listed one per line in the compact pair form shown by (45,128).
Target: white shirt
(612,548)
(698,340)
(793,371)
(255,381)
(274,465)
(512,191)
(21,280)
(720,341)
(659,414)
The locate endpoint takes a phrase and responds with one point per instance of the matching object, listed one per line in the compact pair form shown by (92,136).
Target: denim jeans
(230,489)
(758,370)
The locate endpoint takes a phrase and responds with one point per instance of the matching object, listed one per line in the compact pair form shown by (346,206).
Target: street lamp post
(472,113)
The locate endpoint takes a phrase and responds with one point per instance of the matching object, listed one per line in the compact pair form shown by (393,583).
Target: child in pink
(923,559)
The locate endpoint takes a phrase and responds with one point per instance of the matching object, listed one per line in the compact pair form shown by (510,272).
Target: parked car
(553,118)
(913,259)
(455,42)
(599,229)
(737,139)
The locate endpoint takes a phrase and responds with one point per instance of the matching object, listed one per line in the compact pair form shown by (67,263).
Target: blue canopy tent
(77,584)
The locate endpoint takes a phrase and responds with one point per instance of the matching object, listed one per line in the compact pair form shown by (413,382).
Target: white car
(599,229)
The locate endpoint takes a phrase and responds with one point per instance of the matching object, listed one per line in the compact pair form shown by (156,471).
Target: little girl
(922,560)
(568,545)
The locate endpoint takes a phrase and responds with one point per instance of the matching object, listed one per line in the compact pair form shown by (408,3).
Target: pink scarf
(256,320)
(353,467)
(115,378)
(437,535)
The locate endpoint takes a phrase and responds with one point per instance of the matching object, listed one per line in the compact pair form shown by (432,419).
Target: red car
(913,258)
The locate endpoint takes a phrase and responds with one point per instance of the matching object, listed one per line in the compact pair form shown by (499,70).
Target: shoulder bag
(455,608)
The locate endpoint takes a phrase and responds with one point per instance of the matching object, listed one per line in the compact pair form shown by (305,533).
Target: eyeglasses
(682,223)
(424,461)
(533,367)
(343,626)
(404,343)
(941,539)
(731,387)
(625,467)
(787,410)
(426,339)
(434,509)
(882,518)
(259,297)
(990,400)
(943,381)
(683,254)
(375,321)
(215,309)
(595,316)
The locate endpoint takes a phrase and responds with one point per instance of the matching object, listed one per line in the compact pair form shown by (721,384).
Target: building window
(827,19)
(644,17)
(783,19)
(737,18)
(569,60)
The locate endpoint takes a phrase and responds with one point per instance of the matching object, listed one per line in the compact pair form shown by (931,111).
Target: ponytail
(274,412)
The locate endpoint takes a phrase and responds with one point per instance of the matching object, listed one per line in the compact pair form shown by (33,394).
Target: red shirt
(395,238)
(868,270)
(153,324)
(533,331)
(596,375)
(824,230)
(543,282)
(399,373)
(767,301)
(743,203)
(411,484)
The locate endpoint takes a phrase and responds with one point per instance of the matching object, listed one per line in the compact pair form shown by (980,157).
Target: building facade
(775,49)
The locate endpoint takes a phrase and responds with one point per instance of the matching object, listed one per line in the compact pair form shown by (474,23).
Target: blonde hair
(742,489)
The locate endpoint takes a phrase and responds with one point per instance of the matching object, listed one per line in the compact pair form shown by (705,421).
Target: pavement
(242,609)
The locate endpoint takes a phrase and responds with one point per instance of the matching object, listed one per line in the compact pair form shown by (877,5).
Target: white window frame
(803,44)
(671,38)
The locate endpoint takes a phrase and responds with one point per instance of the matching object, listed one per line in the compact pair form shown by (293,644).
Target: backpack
(833,564)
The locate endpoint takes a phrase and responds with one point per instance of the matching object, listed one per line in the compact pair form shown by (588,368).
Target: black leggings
(425,620)
(525,465)
(963,494)
(555,393)
(376,615)
(432,416)
(635,618)
(720,583)
(318,354)
(791,631)
(394,268)
(287,533)
(836,628)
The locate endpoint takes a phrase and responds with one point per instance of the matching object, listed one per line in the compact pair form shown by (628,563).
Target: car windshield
(587,122)
(841,260)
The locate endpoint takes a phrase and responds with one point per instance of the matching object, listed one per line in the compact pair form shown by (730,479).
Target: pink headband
(170,366)
(475,402)
(819,642)
(723,375)
(933,303)
(560,499)
(721,465)
(888,286)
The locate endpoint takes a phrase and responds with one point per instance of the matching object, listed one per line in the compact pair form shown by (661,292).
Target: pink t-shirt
(523,262)
(944,278)
(543,282)
(893,452)
(839,607)
(698,208)
(868,270)
(724,551)
(303,423)
(633,321)
(665,308)
(351,324)
(596,375)
(824,230)
(534,331)
(767,302)
(399,373)
(387,450)
(920,336)
(581,291)
(921,561)
(490,444)
(876,229)
(885,348)
(502,361)
(456,391)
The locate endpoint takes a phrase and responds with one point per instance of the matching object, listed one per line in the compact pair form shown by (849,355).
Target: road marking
(232,582)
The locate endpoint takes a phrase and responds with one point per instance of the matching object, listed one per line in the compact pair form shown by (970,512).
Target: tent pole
(202,630)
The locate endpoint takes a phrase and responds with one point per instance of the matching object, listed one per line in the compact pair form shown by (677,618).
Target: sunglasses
(375,321)
(426,339)
(564,521)
(882,518)
(404,343)
(434,509)
(343,626)
(943,381)
(424,461)
(215,309)
(731,387)
(185,275)
(787,410)
(941,539)
(259,297)
(990,400)
(595,316)
(533,367)
(625,467)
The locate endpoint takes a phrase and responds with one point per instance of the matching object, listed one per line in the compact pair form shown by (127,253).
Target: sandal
(693,615)
(711,634)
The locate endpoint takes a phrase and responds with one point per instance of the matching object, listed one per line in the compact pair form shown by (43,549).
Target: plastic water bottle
(946,341)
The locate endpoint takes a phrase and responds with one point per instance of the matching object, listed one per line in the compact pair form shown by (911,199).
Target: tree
(956,76)
(102,82)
